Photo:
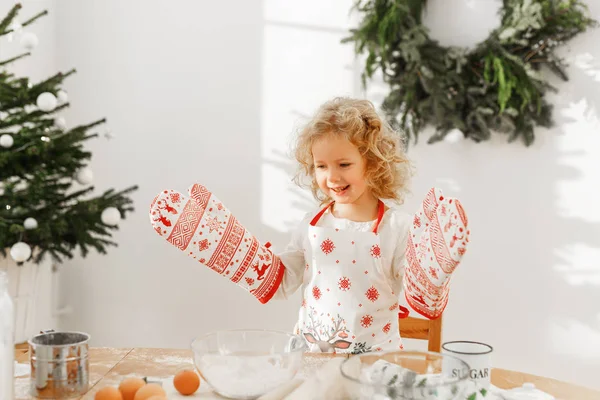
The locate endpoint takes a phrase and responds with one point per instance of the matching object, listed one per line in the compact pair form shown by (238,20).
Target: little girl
(354,256)
(349,258)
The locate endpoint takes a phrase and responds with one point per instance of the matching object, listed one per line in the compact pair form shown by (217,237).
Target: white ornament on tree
(84,176)
(46,101)
(62,96)
(29,40)
(6,140)
(20,251)
(110,216)
(60,123)
(30,223)
(454,136)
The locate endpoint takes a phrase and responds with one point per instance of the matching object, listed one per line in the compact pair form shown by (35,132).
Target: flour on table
(174,360)
(22,369)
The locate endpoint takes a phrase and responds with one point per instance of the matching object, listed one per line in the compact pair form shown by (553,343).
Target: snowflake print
(303,303)
(433,273)
(360,347)
(386,328)
(461,251)
(372,294)
(219,206)
(213,224)
(316,292)
(203,245)
(327,246)
(393,306)
(366,321)
(375,251)
(417,221)
(175,197)
(344,284)
(249,281)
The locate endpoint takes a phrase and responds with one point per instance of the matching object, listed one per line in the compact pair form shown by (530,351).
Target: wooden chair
(424,329)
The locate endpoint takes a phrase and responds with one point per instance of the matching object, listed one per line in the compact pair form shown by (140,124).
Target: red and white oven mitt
(202,227)
(437,241)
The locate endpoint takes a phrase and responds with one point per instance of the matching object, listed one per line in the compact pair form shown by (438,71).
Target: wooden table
(109,366)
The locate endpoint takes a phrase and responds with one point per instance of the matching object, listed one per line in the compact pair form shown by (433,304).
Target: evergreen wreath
(497,86)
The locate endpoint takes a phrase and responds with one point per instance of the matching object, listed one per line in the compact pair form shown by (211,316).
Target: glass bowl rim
(408,352)
(488,348)
(290,335)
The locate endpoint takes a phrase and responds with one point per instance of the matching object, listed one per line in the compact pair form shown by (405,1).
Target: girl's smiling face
(339,169)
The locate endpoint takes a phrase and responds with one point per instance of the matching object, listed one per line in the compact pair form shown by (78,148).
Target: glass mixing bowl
(245,364)
(405,375)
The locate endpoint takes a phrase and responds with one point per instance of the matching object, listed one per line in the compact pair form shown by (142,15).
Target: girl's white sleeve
(293,260)
(401,229)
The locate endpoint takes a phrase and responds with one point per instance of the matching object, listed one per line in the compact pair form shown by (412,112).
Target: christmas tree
(46,201)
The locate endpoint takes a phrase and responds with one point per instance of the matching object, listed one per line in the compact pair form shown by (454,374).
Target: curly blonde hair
(388,169)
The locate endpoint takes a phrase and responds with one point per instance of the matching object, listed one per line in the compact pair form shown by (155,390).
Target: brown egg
(186,382)
(129,387)
(149,390)
(108,393)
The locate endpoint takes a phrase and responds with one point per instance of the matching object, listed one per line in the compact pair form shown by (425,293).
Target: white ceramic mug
(477,355)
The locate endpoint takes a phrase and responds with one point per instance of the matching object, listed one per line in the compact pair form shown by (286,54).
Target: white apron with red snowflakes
(348,305)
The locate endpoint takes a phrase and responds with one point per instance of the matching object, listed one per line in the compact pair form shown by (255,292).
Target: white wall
(211,91)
